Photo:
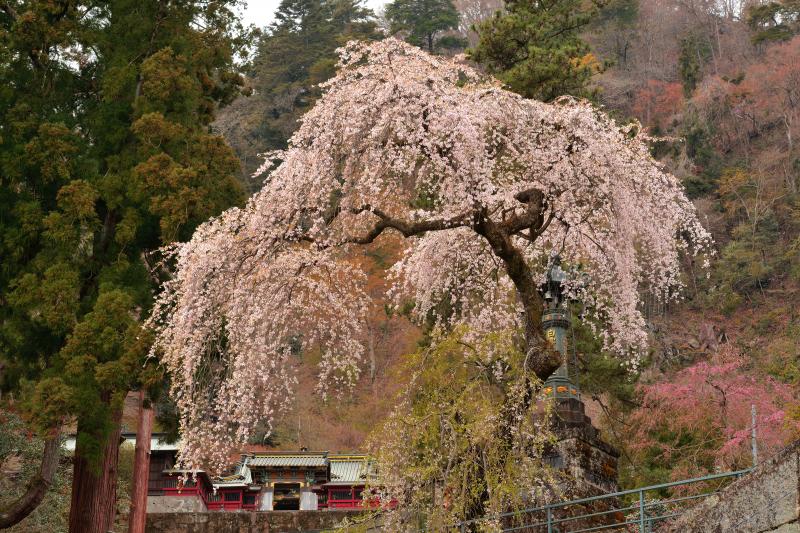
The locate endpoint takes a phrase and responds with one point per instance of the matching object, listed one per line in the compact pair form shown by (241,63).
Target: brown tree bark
(141,466)
(37,488)
(540,359)
(94,486)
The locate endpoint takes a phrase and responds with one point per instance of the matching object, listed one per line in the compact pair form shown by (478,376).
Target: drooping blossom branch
(483,185)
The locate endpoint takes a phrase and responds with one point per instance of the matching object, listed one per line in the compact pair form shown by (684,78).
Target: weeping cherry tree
(482,186)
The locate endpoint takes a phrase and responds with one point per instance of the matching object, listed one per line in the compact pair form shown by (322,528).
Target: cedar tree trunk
(94,486)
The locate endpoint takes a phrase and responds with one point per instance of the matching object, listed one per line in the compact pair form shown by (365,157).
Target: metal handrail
(642,505)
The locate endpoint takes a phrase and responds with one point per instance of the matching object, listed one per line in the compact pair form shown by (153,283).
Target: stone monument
(588,462)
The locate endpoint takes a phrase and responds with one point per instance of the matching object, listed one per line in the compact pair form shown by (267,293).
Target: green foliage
(706,160)
(105,155)
(744,267)
(774,21)
(466,435)
(749,262)
(624,12)
(423,20)
(694,52)
(295,54)
(451,43)
(600,373)
(535,48)
(726,300)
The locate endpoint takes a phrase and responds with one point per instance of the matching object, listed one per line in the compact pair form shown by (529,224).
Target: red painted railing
(222,500)
(172,487)
(347,498)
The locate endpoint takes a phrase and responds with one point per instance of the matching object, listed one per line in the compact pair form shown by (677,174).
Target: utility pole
(753,433)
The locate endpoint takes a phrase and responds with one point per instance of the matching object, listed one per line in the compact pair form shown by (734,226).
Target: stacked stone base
(584,466)
(581,454)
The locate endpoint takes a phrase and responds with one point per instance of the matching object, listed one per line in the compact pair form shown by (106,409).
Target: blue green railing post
(549,520)
(641,511)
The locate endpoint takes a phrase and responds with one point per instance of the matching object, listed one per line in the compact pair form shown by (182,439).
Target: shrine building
(264,481)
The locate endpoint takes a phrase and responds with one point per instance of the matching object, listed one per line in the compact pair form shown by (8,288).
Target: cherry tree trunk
(94,486)
(37,488)
(141,467)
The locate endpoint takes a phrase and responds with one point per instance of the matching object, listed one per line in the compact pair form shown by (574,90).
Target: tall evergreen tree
(422,19)
(105,156)
(534,47)
(295,54)
(694,52)
(774,21)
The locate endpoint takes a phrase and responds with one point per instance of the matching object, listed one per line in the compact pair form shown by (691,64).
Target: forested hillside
(718,85)
(721,82)
(380,291)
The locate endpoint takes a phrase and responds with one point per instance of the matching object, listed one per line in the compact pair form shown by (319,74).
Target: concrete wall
(246,521)
(768,499)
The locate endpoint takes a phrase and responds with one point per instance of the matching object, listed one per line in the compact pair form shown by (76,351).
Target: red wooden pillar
(141,467)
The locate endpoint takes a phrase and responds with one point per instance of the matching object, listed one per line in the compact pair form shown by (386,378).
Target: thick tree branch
(542,359)
(532,217)
(37,488)
(408,229)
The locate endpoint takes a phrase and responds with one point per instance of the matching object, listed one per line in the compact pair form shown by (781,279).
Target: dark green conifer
(774,21)
(294,55)
(423,20)
(105,155)
(535,48)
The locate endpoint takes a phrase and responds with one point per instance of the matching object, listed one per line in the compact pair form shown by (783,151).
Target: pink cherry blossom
(484,185)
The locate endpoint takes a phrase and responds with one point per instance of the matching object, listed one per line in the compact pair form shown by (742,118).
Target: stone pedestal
(584,466)
(580,452)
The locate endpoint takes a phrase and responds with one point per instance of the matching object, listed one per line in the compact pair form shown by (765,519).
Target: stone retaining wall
(766,500)
(246,521)
(175,504)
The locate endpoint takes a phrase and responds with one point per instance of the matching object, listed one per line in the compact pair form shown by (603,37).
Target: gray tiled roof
(349,470)
(287,459)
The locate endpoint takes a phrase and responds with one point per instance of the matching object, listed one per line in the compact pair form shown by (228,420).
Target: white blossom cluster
(425,146)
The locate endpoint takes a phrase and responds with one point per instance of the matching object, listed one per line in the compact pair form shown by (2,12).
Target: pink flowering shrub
(699,420)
